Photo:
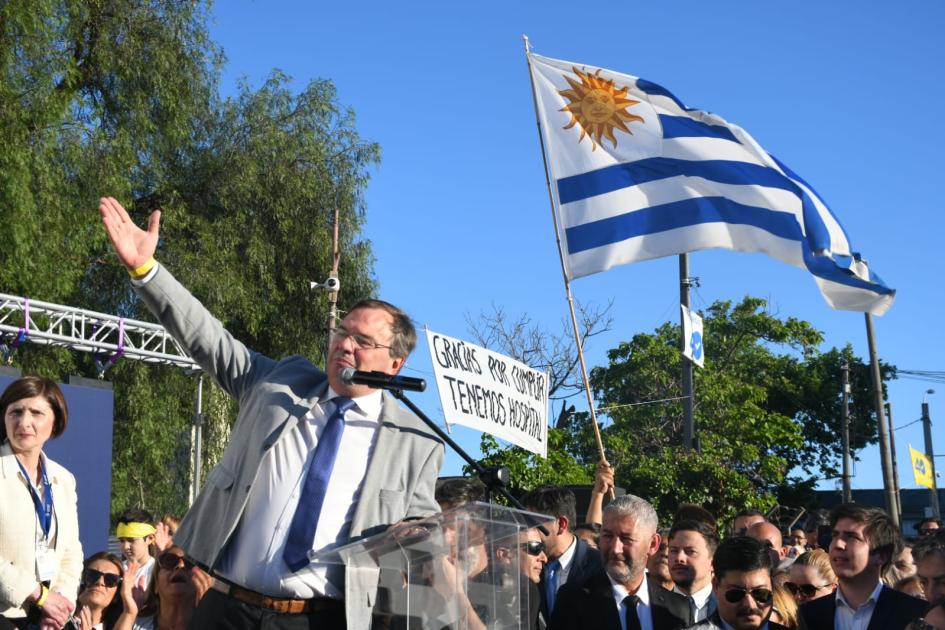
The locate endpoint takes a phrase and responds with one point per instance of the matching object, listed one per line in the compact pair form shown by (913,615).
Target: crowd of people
(317,459)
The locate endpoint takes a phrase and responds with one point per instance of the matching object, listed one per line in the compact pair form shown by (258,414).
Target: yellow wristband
(42,596)
(142,271)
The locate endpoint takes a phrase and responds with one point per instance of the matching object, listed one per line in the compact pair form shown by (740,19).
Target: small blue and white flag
(637,175)
(692,336)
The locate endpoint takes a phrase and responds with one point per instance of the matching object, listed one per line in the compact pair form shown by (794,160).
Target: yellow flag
(921,468)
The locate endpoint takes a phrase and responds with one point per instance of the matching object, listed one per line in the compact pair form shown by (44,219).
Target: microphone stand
(492,480)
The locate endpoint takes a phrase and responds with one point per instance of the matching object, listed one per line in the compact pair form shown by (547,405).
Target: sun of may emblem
(598,106)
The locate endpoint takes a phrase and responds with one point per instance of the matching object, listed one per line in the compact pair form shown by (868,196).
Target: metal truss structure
(108,336)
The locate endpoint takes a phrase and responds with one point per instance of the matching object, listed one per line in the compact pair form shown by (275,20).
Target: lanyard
(44,508)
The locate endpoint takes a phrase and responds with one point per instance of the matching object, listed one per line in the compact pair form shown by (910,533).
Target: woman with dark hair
(105,601)
(40,553)
(175,589)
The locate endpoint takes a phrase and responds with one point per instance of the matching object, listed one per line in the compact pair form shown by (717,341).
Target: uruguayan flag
(637,175)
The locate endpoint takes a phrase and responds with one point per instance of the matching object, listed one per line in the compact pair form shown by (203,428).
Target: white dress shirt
(701,603)
(253,558)
(643,606)
(565,561)
(849,618)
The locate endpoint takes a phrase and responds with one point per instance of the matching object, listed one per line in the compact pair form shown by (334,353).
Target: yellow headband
(134,530)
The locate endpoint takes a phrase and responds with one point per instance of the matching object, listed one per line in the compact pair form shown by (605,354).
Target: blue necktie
(302,530)
(551,584)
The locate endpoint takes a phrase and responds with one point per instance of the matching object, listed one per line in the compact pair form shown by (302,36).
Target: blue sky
(847,94)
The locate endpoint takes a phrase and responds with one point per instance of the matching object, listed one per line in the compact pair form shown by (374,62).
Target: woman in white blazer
(40,553)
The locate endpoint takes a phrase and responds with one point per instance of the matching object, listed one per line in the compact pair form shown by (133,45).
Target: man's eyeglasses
(170,561)
(761,595)
(360,341)
(91,576)
(533,547)
(927,531)
(807,590)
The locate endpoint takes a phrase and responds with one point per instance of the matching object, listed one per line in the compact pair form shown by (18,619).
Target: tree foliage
(121,98)
(767,412)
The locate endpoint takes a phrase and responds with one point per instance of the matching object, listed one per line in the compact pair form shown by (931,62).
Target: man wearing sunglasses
(742,587)
(312,462)
(863,543)
(928,526)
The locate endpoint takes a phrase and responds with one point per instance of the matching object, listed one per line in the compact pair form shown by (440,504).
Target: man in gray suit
(312,462)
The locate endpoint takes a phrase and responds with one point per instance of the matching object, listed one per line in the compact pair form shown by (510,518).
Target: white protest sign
(491,392)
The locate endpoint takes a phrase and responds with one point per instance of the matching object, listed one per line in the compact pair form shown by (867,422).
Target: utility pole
(895,465)
(885,459)
(689,429)
(845,430)
(929,452)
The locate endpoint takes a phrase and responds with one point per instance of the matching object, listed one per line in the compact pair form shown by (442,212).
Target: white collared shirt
(643,607)
(848,618)
(253,558)
(700,602)
(565,561)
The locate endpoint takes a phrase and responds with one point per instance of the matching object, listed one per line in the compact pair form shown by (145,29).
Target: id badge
(45,563)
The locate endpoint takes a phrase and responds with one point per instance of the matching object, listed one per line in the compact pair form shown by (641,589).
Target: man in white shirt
(742,585)
(691,547)
(570,559)
(621,596)
(276,498)
(863,542)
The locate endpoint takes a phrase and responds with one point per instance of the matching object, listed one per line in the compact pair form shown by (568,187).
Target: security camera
(332,285)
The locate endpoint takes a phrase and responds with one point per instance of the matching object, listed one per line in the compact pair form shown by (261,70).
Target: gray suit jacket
(273,396)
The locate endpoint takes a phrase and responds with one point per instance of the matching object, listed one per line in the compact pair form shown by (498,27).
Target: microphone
(380,380)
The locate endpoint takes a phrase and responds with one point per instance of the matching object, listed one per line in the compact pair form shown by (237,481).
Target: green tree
(121,98)
(767,413)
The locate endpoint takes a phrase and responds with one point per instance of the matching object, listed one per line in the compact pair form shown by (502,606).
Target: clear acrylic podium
(462,569)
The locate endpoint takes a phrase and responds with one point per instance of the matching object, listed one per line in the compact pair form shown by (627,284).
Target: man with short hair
(313,460)
(929,555)
(570,559)
(745,519)
(691,547)
(454,492)
(620,596)
(863,542)
(769,535)
(657,567)
(742,587)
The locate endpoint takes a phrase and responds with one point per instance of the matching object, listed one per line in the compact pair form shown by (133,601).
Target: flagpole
(564,272)
(885,458)
(689,427)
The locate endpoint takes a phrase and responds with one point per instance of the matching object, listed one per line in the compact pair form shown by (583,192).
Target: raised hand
(162,537)
(131,596)
(133,245)
(604,478)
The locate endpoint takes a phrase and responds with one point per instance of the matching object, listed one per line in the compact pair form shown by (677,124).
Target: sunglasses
(533,547)
(927,531)
(170,561)
(761,595)
(807,590)
(91,576)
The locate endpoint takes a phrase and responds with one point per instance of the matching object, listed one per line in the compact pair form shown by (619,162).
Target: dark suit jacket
(585,563)
(893,610)
(592,606)
(714,622)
